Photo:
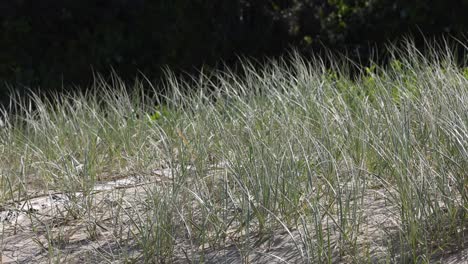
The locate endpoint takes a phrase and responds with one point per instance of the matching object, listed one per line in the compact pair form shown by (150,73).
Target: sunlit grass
(293,146)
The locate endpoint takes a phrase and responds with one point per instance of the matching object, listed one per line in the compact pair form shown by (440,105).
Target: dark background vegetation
(52,44)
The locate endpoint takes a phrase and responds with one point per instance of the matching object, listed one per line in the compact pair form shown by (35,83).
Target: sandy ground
(26,225)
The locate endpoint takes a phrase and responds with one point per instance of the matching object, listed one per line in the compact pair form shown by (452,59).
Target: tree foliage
(51,42)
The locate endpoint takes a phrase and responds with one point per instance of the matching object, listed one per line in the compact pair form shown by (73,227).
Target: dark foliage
(49,43)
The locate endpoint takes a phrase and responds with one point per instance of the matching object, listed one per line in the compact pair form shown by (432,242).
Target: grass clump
(369,168)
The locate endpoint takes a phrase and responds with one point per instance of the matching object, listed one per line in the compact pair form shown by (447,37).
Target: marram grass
(292,148)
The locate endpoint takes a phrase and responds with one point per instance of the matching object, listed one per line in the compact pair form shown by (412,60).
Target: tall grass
(293,147)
